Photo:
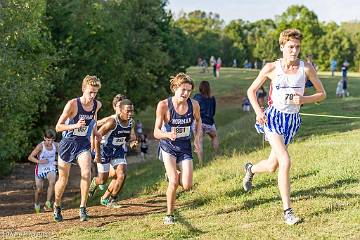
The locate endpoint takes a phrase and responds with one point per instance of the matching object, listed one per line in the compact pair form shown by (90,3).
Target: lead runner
(281,120)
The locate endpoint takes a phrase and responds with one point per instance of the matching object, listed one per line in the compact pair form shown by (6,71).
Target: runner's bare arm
(102,121)
(320,91)
(95,131)
(161,111)
(258,82)
(264,74)
(104,129)
(198,127)
(133,139)
(33,157)
(69,112)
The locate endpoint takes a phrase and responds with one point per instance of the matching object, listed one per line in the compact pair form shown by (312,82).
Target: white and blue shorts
(105,167)
(285,124)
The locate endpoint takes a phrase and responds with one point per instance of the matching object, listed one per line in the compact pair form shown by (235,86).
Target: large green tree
(26,61)
(131,45)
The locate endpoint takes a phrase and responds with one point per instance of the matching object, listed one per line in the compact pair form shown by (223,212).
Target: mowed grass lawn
(325,176)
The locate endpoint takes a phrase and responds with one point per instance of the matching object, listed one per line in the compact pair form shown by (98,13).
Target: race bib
(119,141)
(181,131)
(288,95)
(81,132)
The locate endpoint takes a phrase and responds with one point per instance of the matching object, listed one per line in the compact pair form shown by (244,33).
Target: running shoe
(169,220)
(83,214)
(47,206)
(37,208)
(290,218)
(104,201)
(57,214)
(113,204)
(247,181)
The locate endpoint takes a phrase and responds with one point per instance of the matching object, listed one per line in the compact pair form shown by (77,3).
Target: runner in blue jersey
(207,104)
(117,131)
(116,100)
(174,117)
(281,120)
(77,123)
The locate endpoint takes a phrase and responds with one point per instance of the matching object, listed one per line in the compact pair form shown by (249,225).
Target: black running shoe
(57,214)
(83,214)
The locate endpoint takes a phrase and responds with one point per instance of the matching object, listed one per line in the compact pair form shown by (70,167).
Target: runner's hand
(298,99)
(43,161)
(261,118)
(197,145)
(98,136)
(171,135)
(134,144)
(80,123)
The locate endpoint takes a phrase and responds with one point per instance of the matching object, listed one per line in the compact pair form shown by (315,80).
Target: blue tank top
(83,133)
(114,142)
(207,108)
(181,123)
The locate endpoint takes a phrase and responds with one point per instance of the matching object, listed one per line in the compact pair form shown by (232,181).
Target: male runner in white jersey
(281,120)
(44,155)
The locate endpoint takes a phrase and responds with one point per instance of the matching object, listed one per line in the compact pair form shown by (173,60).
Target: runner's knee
(86,175)
(272,167)
(120,176)
(62,180)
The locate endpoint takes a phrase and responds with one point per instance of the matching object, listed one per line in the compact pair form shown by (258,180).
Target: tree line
(257,41)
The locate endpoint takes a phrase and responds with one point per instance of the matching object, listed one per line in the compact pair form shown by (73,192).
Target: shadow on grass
(269,183)
(313,192)
(197,202)
(192,231)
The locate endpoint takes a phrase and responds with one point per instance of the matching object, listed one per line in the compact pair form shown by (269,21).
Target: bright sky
(252,10)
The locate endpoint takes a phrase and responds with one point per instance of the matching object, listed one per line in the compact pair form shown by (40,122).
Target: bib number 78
(289,96)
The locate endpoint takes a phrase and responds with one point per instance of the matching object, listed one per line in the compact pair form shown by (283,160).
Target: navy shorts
(308,84)
(69,150)
(181,150)
(109,153)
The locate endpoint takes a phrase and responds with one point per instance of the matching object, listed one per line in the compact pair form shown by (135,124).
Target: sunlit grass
(325,176)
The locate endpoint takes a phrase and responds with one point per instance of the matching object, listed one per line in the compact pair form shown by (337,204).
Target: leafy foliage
(26,61)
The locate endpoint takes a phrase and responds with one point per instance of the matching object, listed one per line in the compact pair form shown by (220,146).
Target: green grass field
(325,176)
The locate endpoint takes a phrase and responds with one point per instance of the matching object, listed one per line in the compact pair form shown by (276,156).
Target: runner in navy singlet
(77,123)
(174,117)
(117,131)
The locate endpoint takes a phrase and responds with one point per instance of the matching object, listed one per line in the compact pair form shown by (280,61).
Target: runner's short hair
(91,81)
(289,34)
(125,102)
(116,99)
(49,133)
(179,79)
